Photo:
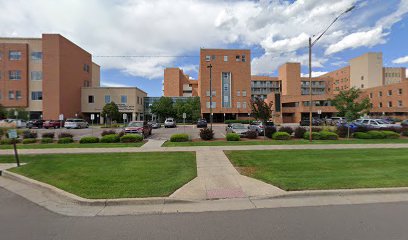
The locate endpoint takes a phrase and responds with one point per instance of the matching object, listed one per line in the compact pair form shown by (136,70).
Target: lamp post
(211,114)
(311,44)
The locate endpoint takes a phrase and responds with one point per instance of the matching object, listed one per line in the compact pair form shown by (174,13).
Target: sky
(134,40)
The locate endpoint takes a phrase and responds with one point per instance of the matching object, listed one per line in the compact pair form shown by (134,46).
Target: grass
(117,175)
(325,169)
(73,145)
(277,142)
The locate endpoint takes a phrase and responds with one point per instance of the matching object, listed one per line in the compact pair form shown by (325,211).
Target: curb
(91,202)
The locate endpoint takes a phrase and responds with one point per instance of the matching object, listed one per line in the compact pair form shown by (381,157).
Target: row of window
(389,93)
(16,55)
(244,93)
(108,99)
(238,58)
(389,104)
(239,105)
(392,75)
(16,75)
(16,95)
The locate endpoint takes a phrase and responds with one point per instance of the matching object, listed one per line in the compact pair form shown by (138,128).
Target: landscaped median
(293,170)
(111,175)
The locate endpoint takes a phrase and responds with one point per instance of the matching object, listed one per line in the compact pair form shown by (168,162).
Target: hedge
(48,135)
(89,139)
(376,134)
(391,134)
(29,141)
(29,134)
(181,137)
(47,140)
(233,137)
(9,141)
(288,130)
(65,140)
(111,138)
(269,131)
(65,135)
(326,135)
(361,135)
(131,138)
(300,132)
(281,136)
(206,134)
(315,135)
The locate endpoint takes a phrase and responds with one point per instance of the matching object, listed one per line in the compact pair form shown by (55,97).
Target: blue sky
(275,30)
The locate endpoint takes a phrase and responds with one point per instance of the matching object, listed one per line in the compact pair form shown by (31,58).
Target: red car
(139,127)
(53,124)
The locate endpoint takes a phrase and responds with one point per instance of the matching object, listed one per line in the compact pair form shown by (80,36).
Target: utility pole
(211,113)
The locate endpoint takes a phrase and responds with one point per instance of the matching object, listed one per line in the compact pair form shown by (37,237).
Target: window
(389,92)
(208,93)
(36,95)
(123,99)
(86,67)
(237,58)
(207,58)
(390,104)
(36,56)
(107,99)
(400,91)
(362,86)
(371,95)
(244,93)
(243,58)
(238,104)
(36,75)
(18,95)
(11,95)
(0,75)
(137,100)
(226,99)
(1,55)
(244,105)
(238,93)
(87,83)
(14,55)
(213,93)
(0,96)
(399,103)
(212,57)
(380,105)
(380,94)
(362,77)
(91,99)
(15,75)
(214,105)
(225,58)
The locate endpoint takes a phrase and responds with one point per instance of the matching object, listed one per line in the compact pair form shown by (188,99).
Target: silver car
(170,123)
(237,128)
(377,123)
(75,123)
(259,127)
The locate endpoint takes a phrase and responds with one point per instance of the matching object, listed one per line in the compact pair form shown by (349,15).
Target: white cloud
(314,74)
(113,84)
(288,44)
(401,60)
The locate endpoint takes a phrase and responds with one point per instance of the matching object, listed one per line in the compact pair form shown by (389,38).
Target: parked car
(35,124)
(202,123)
(154,124)
(237,128)
(259,127)
(334,120)
(315,122)
(139,127)
(404,123)
(17,123)
(170,123)
(75,123)
(53,124)
(377,123)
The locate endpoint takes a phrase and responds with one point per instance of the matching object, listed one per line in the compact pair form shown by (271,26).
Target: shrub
(361,135)
(65,135)
(131,138)
(391,134)
(121,134)
(329,128)
(361,129)
(46,140)
(238,121)
(315,135)
(376,134)
(89,139)
(300,132)
(179,137)
(65,140)
(251,134)
(29,134)
(29,141)
(3,131)
(326,135)
(288,130)
(281,136)
(269,131)
(404,133)
(206,134)
(8,141)
(108,132)
(392,129)
(48,135)
(342,131)
(233,137)
(111,138)
(316,129)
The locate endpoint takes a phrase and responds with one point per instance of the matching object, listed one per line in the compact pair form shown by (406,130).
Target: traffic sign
(124,116)
(61,117)
(92,116)
(184,115)
(12,133)
(319,112)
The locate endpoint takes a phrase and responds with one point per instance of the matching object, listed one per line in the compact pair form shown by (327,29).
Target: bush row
(374,134)
(322,135)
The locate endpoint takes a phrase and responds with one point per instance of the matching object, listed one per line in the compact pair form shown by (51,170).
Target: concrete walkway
(153,144)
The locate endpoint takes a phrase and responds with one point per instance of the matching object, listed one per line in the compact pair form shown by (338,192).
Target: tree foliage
(165,107)
(261,110)
(351,105)
(21,113)
(112,111)
(3,112)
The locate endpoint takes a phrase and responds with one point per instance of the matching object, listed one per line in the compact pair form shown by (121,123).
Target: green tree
(261,110)
(3,112)
(351,105)
(17,113)
(163,108)
(111,110)
(191,107)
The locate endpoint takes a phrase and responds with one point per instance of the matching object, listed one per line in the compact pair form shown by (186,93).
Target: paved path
(153,144)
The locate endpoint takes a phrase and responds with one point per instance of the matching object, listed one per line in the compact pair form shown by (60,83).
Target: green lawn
(73,145)
(116,175)
(325,169)
(276,142)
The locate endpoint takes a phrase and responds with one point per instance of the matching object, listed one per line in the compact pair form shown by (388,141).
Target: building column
(134,116)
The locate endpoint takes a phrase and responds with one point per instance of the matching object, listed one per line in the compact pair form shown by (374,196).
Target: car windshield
(135,124)
(169,120)
(238,126)
(382,122)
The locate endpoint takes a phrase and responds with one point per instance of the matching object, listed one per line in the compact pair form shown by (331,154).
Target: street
(21,219)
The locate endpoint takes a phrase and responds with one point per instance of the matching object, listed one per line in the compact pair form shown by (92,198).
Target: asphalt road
(20,219)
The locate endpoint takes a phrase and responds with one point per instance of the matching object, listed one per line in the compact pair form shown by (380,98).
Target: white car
(170,123)
(14,123)
(377,123)
(75,123)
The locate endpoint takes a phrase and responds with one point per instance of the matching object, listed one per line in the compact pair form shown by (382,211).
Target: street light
(211,115)
(311,44)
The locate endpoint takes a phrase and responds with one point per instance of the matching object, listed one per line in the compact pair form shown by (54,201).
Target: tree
(163,108)
(111,110)
(3,112)
(17,113)
(191,107)
(261,110)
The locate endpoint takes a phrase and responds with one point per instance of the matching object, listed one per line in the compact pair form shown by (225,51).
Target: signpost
(124,116)
(61,120)
(12,134)
(184,121)
(319,112)
(92,120)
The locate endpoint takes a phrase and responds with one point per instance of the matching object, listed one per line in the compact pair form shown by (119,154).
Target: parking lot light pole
(311,44)
(211,114)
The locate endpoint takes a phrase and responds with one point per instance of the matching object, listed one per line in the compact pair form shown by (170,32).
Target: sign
(92,116)
(124,116)
(319,112)
(12,133)
(184,115)
(61,117)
